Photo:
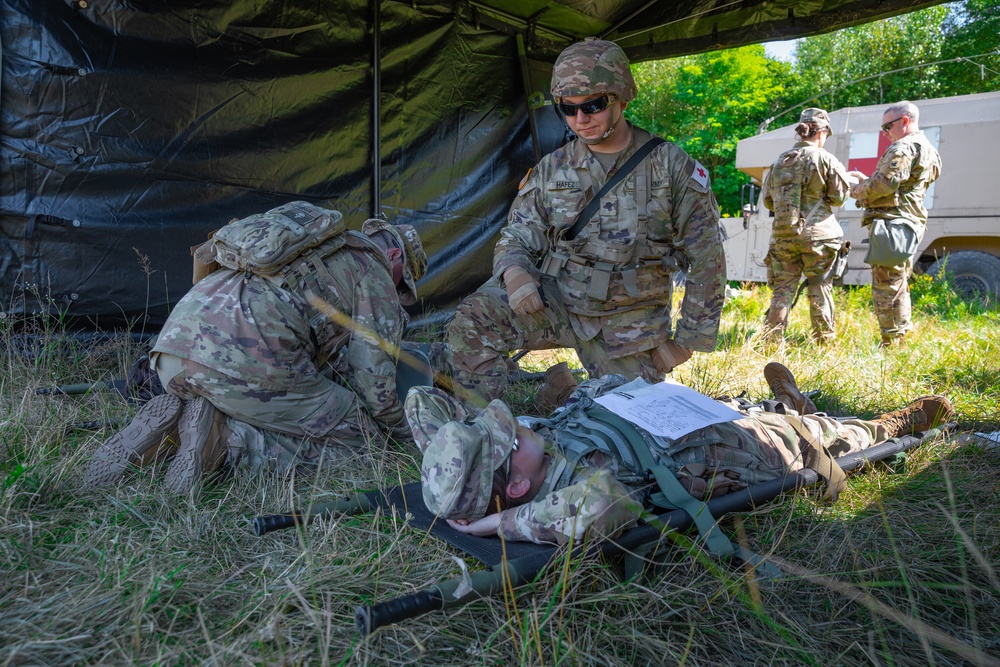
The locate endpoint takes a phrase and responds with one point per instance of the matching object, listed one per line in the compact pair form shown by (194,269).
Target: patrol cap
(459,460)
(415,259)
(815,115)
(593,67)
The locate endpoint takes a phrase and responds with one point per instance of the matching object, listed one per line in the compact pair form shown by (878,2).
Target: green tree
(706,103)
(851,67)
(972,29)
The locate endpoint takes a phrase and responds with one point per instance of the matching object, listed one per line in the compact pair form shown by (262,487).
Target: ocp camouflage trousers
(267,426)
(485,330)
(765,445)
(891,299)
(789,259)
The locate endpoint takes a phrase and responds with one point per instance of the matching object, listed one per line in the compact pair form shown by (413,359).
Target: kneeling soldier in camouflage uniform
(487,474)
(601,285)
(292,362)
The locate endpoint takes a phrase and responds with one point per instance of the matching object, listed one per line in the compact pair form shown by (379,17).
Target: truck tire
(973,275)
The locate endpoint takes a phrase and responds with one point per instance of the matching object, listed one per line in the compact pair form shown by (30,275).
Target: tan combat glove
(669,355)
(522,291)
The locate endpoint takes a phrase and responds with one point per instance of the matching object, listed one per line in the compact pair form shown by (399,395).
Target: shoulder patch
(699,174)
(524,181)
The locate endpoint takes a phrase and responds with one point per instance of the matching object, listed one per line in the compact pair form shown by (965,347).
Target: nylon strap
(618,441)
(815,457)
(591,208)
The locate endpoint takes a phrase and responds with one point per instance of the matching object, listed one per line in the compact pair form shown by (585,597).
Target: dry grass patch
(902,571)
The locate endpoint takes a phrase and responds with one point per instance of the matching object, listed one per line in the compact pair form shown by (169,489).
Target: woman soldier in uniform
(801,187)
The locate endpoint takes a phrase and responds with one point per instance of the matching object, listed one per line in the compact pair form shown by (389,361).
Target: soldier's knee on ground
(476,389)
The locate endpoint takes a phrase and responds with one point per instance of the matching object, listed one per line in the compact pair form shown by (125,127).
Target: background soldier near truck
(801,187)
(893,197)
(605,292)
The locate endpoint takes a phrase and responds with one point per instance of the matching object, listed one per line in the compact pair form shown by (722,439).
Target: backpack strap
(630,164)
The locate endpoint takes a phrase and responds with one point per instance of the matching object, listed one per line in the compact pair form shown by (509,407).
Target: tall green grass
(901,571)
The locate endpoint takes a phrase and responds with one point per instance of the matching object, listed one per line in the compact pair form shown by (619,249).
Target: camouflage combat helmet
(817,116)
(593,67)
(459,460)
(415,264)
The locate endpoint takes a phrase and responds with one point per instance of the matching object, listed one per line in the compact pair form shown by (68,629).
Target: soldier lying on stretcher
(487,474)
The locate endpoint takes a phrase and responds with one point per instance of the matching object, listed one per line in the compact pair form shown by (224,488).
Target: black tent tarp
(131,128)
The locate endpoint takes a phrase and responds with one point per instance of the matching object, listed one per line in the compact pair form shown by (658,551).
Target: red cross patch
(699,175)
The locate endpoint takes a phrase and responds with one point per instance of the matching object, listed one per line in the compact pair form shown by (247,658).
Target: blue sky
(780,50)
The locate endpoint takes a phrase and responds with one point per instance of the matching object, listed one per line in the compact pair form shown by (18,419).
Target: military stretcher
(514,564)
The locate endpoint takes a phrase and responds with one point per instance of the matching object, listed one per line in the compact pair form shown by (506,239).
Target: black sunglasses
(589,108)
(887,126)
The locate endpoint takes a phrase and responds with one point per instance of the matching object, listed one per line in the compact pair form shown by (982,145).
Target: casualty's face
(529,458)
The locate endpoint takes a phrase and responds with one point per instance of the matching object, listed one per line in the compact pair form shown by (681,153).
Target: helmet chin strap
(603,137)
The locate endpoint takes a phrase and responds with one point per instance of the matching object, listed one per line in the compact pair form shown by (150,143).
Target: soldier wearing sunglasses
(895,193)
(603,288)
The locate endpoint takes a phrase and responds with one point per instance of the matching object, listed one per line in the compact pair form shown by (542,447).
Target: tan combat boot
(921,415)
(151,436)
(203,435)
(559,384)
(782,384)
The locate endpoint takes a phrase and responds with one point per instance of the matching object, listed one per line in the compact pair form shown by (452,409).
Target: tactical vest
(789,179)
(596,277)
(583,426)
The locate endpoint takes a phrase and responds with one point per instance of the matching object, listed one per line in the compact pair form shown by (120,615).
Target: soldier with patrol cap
(488,474)
(801,187)
(601,285)
(296,364)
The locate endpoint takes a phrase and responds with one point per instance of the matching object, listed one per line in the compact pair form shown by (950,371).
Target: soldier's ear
(518,487)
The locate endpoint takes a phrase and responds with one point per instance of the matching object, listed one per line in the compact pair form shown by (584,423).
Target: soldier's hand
(482,527)
(669,355)
(855,177)
(522,291)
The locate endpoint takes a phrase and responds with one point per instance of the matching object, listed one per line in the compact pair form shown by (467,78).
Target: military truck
(963,226)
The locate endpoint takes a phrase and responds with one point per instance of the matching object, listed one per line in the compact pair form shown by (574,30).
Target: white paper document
(667,408)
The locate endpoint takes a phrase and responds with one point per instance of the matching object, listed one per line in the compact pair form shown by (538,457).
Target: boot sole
(151,424)
(198,430)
